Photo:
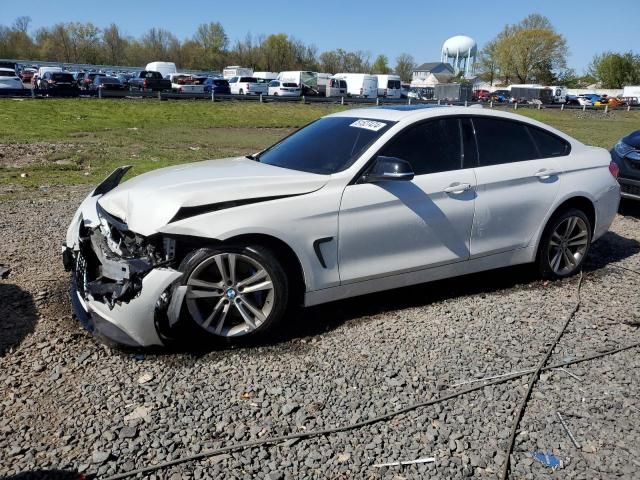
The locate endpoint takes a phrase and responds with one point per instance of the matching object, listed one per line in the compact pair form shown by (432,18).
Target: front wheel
(233,291)
(564,244)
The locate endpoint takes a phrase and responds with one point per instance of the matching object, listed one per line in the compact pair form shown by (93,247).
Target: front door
(392,227)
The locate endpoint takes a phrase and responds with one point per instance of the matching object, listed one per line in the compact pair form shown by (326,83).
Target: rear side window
(503,141)
(429,147)
(549,144)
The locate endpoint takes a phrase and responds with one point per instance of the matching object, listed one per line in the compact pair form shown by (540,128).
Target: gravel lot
(71,404)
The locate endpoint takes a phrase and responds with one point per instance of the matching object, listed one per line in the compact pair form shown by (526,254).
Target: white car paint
(383,235)
(241,86)
(9,79)
(284,89)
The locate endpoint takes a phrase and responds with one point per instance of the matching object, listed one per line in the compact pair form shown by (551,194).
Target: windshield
(326,146)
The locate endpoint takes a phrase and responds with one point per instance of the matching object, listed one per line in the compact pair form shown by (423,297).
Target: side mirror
(389,168)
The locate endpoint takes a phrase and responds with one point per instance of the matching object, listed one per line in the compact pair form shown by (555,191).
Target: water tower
(461,52)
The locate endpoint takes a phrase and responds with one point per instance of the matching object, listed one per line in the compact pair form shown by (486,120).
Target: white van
(360,84)
(336,87)
(236,71)
(268,76)
(165,68)
(389,86)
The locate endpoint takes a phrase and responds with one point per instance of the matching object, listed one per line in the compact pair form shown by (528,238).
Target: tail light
(145,84)
(614,169)
(248,87)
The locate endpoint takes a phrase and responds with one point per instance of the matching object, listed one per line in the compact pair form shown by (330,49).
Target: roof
(409,108)
(430,66)
(397,113)
(443,77)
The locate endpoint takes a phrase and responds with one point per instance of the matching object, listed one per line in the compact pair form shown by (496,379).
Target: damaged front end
(118,276)
(112,261)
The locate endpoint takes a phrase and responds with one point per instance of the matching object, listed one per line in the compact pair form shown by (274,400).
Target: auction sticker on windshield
(368,125)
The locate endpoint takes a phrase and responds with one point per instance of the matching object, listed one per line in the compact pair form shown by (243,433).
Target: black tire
(241,92)
(189,329)
(547,250)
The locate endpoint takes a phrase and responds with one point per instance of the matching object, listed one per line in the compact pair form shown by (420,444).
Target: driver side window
(431,147)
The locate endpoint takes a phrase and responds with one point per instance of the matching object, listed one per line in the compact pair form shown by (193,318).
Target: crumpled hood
(149,201)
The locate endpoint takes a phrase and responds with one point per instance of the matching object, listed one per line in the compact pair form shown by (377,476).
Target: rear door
(394,227)
(518,181)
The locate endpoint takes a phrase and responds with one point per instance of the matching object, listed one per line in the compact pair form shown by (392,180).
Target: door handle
(458,188)
(544,174)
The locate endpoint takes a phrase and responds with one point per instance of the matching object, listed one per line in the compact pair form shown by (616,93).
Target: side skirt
(504,259)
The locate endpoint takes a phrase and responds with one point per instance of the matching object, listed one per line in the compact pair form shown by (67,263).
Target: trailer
(532,94)
(453,92)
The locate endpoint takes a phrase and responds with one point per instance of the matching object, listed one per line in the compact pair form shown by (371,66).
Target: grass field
(71,142)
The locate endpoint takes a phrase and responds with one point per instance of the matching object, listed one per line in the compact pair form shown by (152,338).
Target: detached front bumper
(120,297)
(132,323)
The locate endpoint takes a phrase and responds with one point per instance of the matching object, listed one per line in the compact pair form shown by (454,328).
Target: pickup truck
(248,86)
(148,80)
(185,83)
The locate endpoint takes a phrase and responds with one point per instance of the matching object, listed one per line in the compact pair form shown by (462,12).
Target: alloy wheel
(568,245)
(230,294)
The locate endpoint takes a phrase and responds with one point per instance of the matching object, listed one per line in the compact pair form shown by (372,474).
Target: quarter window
(548,144)
(430,147)
(503,141)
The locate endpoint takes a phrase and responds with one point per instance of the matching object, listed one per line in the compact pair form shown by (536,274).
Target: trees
(114,45)
(615,70)
(489,62)
(404,67)
(527,51)
(381,65)
(208,47)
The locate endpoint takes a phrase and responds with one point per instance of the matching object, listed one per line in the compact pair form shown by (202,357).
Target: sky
(377,26)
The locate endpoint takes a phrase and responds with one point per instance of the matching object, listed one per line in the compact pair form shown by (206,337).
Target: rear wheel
(241,92)
(564,244)
(233,292)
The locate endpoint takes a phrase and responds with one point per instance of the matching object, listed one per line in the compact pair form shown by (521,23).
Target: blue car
(219,86)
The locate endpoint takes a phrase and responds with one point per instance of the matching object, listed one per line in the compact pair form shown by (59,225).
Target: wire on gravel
(533,379)
(354,426)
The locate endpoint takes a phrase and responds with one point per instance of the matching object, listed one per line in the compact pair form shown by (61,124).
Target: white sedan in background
(9,79)
(284,89)
(356,202)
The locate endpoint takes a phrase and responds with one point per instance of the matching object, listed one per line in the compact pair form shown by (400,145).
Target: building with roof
(432,73)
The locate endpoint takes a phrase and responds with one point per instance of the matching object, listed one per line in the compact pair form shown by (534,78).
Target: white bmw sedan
(356,202)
